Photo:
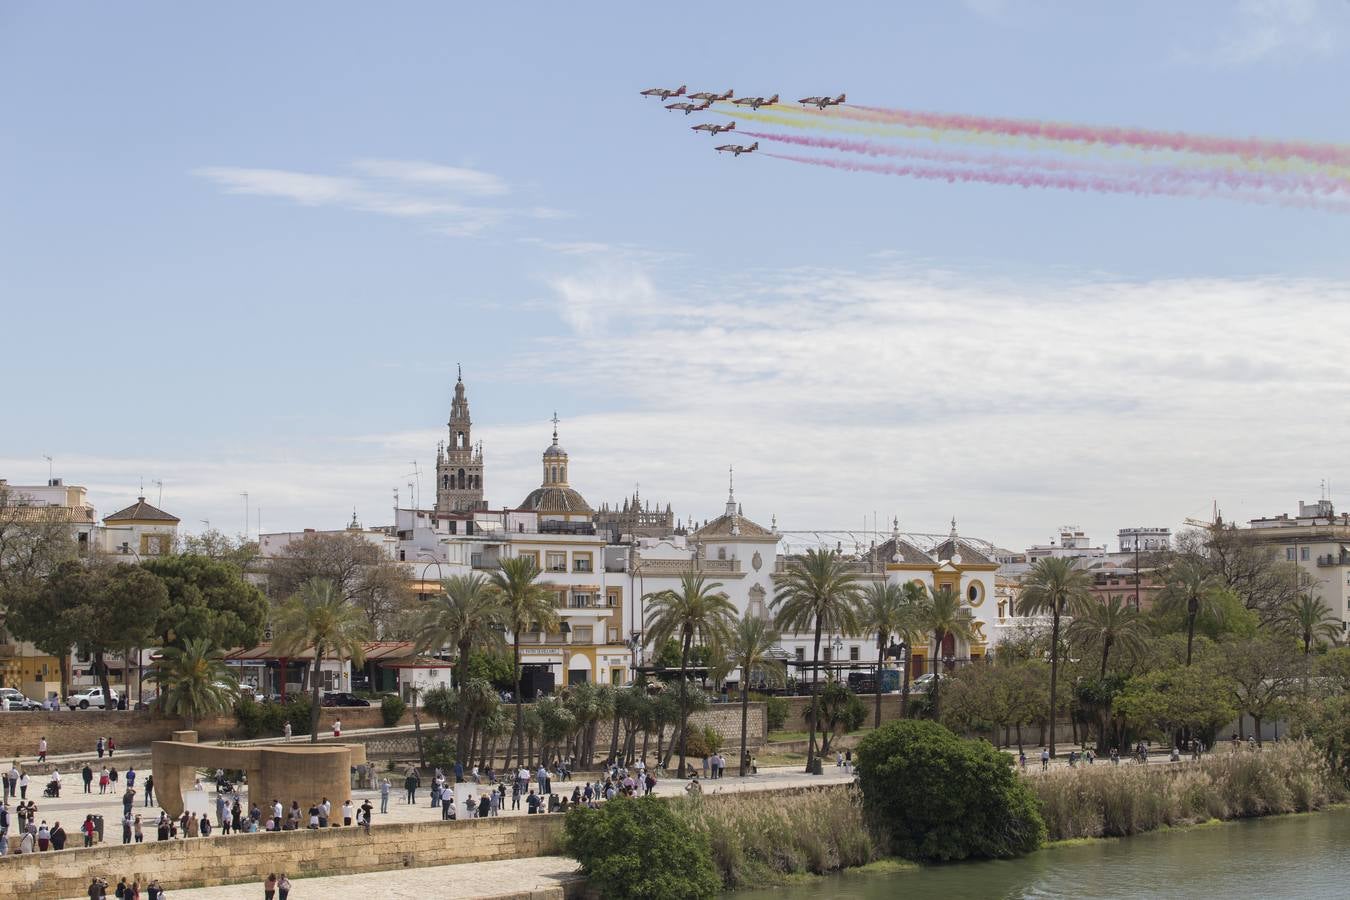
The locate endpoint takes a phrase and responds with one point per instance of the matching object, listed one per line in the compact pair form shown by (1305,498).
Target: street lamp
(838,651)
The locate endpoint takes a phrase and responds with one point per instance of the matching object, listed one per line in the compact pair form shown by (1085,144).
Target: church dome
(556,499)
(555,450)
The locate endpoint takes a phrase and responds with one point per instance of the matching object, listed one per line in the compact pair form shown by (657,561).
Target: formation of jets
(737,149)
(821,102)
(704,99)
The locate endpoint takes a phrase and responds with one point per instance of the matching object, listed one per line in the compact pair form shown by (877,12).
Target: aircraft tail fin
(731,127)
(840,99)
(772,100)
(754,146)
(682,89)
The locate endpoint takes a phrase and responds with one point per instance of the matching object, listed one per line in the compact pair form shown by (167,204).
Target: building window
(1289,553)
(581,562)
(557,562)
(1303,553)
(582,634)
(721,552)
(801,654)
(581,601)
(613,600)
(829,654)
(853,653)
(531,555)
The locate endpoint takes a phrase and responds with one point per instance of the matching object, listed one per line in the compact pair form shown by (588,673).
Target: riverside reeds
(1114,801)
(757,838)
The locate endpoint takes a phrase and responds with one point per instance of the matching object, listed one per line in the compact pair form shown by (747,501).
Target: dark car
(343,698)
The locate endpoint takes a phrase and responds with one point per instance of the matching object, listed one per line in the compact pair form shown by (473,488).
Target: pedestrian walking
(23,785)
(384,795)
(103,781)
(286,731)
(337,728)
(88,775)
(42,749)
(270,886)
(12,782)
(87,829)
(149,788)
(112,745)
(58,837)
(365,813)
(99,746)
(410,786)
(283,887)
(1045,760)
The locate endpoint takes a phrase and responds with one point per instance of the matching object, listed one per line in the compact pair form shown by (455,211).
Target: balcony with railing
(1334,559)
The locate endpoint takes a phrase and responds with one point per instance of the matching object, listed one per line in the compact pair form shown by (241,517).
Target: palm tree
(697,611)
(319,616)
(882,610)
(911,632)
(467,613)
(1055,587)
(817,592)
(749,648)
(194,681)
(1192,587)
(528,604)
(1108,625)
(1310,619)
(943,615)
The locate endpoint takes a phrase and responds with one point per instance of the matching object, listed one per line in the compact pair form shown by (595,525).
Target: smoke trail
(813,121)
(1212,177)
(1247,148)
(1021,178)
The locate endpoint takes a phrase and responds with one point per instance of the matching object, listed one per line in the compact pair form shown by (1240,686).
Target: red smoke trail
(1247,148)
(1217,177)
(1021,178)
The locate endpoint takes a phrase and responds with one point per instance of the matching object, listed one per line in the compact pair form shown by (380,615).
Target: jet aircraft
(664,93)
(711,96)
(821,102)
(756,102)
(713,127)
(689,107)
(738,149)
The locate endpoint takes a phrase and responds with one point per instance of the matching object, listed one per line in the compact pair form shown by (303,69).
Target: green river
(1285,857)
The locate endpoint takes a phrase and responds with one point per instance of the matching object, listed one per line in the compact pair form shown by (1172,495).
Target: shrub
(639,849)
(939,797)
(440,752)
(392,709)
(262,719)
(712,739)
(776,712)
(296,711)
(696,745)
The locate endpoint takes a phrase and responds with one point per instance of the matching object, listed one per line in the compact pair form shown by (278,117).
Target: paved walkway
(538,878)
(73,804)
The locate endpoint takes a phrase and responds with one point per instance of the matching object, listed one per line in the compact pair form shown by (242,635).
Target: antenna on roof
(159,483)
(50,474)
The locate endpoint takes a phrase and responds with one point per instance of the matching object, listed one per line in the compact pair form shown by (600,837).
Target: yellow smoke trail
(814,120)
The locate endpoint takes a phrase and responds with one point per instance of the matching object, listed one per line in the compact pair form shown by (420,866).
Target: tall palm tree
(1054,587)
(818,592)
(1310,619)
(1114,623)
(697,611)
(1190,586)
(528,603)
(468,613)
(319,616)
(882,610)
(943,615)
(749,649)
(911,631)
(194,681)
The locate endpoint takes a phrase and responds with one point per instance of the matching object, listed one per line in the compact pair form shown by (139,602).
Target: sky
(246,245)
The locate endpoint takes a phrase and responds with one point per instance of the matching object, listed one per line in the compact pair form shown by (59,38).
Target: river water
(1286,857)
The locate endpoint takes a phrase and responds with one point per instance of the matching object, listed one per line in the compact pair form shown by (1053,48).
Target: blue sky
(246,244)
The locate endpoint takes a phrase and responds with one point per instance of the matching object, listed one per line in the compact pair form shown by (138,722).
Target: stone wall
(77,731)
(249,857)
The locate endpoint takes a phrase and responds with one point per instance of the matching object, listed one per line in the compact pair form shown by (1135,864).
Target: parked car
(343,698)
(93,698)
(12,700)
(923,683)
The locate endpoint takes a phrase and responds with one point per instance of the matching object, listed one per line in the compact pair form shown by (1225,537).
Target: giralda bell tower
(459,463)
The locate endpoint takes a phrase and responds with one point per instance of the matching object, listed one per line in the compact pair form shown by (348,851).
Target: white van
(93,698)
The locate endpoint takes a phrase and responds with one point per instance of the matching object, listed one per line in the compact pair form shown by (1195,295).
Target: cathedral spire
(731,491)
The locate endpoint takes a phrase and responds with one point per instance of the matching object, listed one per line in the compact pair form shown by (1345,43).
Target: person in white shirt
(347,812)
(276,810)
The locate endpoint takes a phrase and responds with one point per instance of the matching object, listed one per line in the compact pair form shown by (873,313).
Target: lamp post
(838,646)
(900,652)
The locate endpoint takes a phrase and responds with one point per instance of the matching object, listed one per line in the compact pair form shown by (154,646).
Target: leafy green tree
(119,613)
(941,615)
(840,712)
(697,611)
(639,849)
(1311,620)
(194,681)
(1055,588)
(209,599)
(750,649)
(318,616)
(938,797)
(442,704)
(528,604)
(1107,625)
(215,544)
(494,667)
(48,613)
(979,699)
(467,613)
(359,571)
(1196,699)
(1190,586)
(818,593)
(1263,672)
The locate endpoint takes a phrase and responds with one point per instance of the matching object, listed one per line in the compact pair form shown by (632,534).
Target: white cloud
(1015,405)
(1268,30)
(399,188)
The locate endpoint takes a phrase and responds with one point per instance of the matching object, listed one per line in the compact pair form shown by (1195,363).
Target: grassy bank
(757,840)
(1116,801)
